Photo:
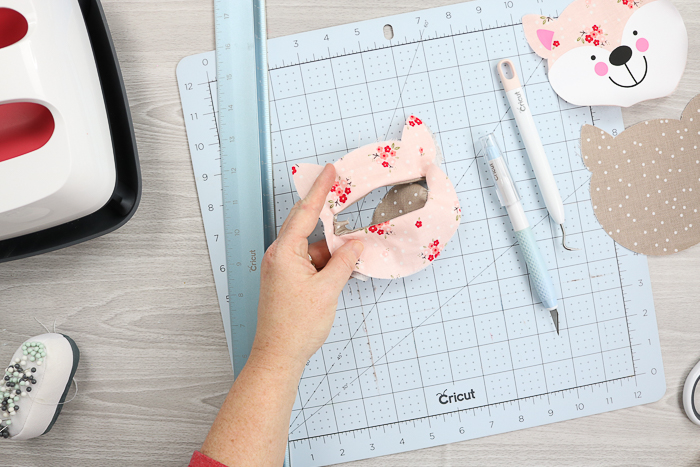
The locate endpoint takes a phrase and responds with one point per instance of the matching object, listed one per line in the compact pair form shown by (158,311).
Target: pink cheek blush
(601,69)
(642,45)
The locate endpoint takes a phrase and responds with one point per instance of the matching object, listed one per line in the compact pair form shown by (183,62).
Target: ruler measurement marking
(471,409)
(421,39)
(244,149)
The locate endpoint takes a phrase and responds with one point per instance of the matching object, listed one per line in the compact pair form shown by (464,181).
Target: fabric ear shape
(589,135)
(540,36)
(308,173)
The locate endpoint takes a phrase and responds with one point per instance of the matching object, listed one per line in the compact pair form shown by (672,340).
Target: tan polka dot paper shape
(645,187)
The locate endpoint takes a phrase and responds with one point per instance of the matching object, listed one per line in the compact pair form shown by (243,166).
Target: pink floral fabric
(403,245)
(597,23)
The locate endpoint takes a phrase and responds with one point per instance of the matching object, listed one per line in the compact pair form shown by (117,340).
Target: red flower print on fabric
(555,44)
(384,229)
(386,156)
(294,169)
(630,3)
(340,191)
(432,251)
(419,224)
(595,35)
(414,121)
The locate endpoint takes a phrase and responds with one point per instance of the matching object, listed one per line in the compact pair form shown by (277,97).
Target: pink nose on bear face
(642,45)
(601,68)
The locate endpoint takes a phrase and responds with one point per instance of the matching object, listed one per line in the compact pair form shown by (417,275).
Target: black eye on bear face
(635,33)
(593,57)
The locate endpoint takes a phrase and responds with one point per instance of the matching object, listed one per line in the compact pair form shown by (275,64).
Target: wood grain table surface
(142,306)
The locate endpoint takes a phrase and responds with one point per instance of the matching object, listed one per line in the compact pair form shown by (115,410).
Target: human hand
(297,302)
(295,314)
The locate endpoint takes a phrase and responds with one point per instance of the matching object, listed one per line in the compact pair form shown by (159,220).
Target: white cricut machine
(58,161)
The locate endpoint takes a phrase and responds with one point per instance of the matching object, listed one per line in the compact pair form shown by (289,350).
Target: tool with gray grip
(510,199)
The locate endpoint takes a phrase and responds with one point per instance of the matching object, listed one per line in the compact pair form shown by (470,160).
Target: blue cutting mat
(469,324)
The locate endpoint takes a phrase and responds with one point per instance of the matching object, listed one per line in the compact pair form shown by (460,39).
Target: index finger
(303,217)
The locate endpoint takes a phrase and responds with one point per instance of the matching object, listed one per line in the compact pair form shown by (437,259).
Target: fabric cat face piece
(398,246)
(611,52)
(645,187)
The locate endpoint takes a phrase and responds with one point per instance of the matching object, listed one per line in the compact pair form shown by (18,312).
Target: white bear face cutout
(610,52)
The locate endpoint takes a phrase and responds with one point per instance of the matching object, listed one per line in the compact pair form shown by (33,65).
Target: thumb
(341,265)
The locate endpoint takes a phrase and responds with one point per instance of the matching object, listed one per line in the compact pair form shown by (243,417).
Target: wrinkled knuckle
(271,255)
(268,260)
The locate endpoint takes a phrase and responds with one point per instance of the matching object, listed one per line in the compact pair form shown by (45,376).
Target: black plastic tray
(127,191)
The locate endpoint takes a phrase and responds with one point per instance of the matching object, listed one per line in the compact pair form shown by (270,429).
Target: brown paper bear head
(645,187)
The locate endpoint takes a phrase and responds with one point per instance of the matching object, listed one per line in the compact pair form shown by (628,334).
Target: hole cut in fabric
(403,245)
(398,201)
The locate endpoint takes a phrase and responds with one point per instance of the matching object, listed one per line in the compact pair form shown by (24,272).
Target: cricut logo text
(448,399)
(521,101)
(253,261)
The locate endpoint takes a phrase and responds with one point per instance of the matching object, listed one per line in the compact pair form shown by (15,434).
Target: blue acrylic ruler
(246,165)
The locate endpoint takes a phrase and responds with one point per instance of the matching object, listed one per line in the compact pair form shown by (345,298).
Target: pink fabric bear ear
(540,36)
(546,37)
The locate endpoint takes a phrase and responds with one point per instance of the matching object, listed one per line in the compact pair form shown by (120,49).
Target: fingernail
(358,248)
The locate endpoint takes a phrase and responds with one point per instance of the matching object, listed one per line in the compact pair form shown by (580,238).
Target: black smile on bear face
(636,83)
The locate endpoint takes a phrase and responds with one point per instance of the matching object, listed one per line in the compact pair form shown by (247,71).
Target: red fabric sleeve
(200,460)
